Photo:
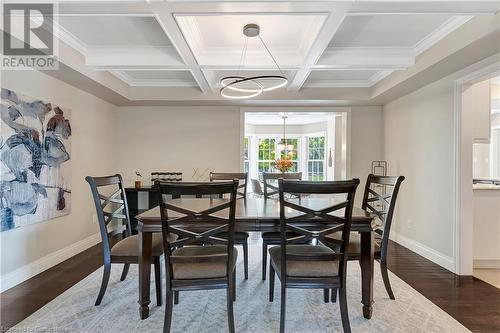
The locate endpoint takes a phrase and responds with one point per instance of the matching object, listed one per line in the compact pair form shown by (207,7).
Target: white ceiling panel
(386,30)
(219,39)
(112,31)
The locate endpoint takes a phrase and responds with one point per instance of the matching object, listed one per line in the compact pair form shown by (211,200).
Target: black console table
(133,202)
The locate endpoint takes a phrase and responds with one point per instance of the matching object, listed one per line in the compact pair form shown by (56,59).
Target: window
(316,158)
(246,162)
(267,154)
(292,153)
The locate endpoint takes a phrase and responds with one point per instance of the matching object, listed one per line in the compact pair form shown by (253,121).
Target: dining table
(258,215)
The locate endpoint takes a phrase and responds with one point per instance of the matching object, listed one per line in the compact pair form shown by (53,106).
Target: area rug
(205,311)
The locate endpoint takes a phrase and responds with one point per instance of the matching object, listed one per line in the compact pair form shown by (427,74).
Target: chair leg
(234,285)
(168,311)
(343,310)
(271,283)
(264,260)
(334,295)
(157,265)
(245,258)
(104,283)
(326,295)
(230,314)
(385,277)
(124,272)
(176,297)
(283,307)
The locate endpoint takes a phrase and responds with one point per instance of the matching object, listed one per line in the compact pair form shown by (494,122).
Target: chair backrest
(380,199)
(111,204)
(241,176)
(257,188)
(194,225)
(270,178)
(310,223)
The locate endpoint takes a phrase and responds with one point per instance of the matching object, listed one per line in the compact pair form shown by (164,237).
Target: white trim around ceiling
(366,58)
(348,83)
(122,75)
(442,31)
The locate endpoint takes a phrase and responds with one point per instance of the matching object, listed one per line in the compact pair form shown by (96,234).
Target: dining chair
(270,181)
(190,266)
(111,206)
(270,189)
(240,237)
(379,198)
(306,266)
(257,188)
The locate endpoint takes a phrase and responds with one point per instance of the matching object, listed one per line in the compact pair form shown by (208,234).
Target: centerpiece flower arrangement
(284,164)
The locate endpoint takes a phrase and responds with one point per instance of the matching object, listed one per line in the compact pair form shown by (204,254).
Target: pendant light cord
(243,56)
(270,54)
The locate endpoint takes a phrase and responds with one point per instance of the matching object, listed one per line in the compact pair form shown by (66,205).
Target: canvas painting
(35,160)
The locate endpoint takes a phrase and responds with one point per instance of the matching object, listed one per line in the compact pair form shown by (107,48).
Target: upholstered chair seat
(201,270)
(305,268)
(129,247)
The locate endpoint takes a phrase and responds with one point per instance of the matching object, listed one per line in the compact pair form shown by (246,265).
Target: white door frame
(463,140)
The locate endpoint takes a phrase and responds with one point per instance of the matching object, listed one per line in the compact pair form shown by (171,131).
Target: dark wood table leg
(145,239)
(367,265)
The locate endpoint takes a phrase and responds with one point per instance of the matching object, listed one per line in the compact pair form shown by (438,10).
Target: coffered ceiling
(178,44)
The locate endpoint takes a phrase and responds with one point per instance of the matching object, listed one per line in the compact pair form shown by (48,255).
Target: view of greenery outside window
(267,155)
(292,153)
(246,162)
(316,158)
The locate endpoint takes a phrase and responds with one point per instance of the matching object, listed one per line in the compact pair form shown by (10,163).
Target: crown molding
(122,75)
(366,58)
(127,56)
(366,83)
(67,37)
(442,31)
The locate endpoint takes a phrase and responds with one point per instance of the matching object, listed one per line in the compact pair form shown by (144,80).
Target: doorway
(477,197)
(315,143)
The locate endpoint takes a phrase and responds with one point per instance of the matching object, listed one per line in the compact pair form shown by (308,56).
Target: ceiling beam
(170,27)
(324,37)
(366,58)
(123,57)
(470,7)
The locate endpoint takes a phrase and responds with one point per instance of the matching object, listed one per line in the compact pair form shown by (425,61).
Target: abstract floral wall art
(35,160)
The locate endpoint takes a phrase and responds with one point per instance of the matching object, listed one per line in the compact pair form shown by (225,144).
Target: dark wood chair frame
(195,227)
(243,239)
(119,211)
(270,190)
(385,214)
(310,225)
(242,188)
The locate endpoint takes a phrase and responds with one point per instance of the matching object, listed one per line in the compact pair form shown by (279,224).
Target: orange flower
(283,165)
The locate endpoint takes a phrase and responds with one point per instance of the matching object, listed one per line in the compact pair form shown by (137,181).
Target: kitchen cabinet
(478,98)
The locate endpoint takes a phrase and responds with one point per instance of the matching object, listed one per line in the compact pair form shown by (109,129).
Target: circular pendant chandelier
(240,87)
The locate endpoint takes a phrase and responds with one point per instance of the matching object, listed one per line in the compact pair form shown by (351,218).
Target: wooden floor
(471,301)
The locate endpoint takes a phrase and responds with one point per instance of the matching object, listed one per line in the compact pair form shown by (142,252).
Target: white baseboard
(425,251)
(489,263)
(25,272)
